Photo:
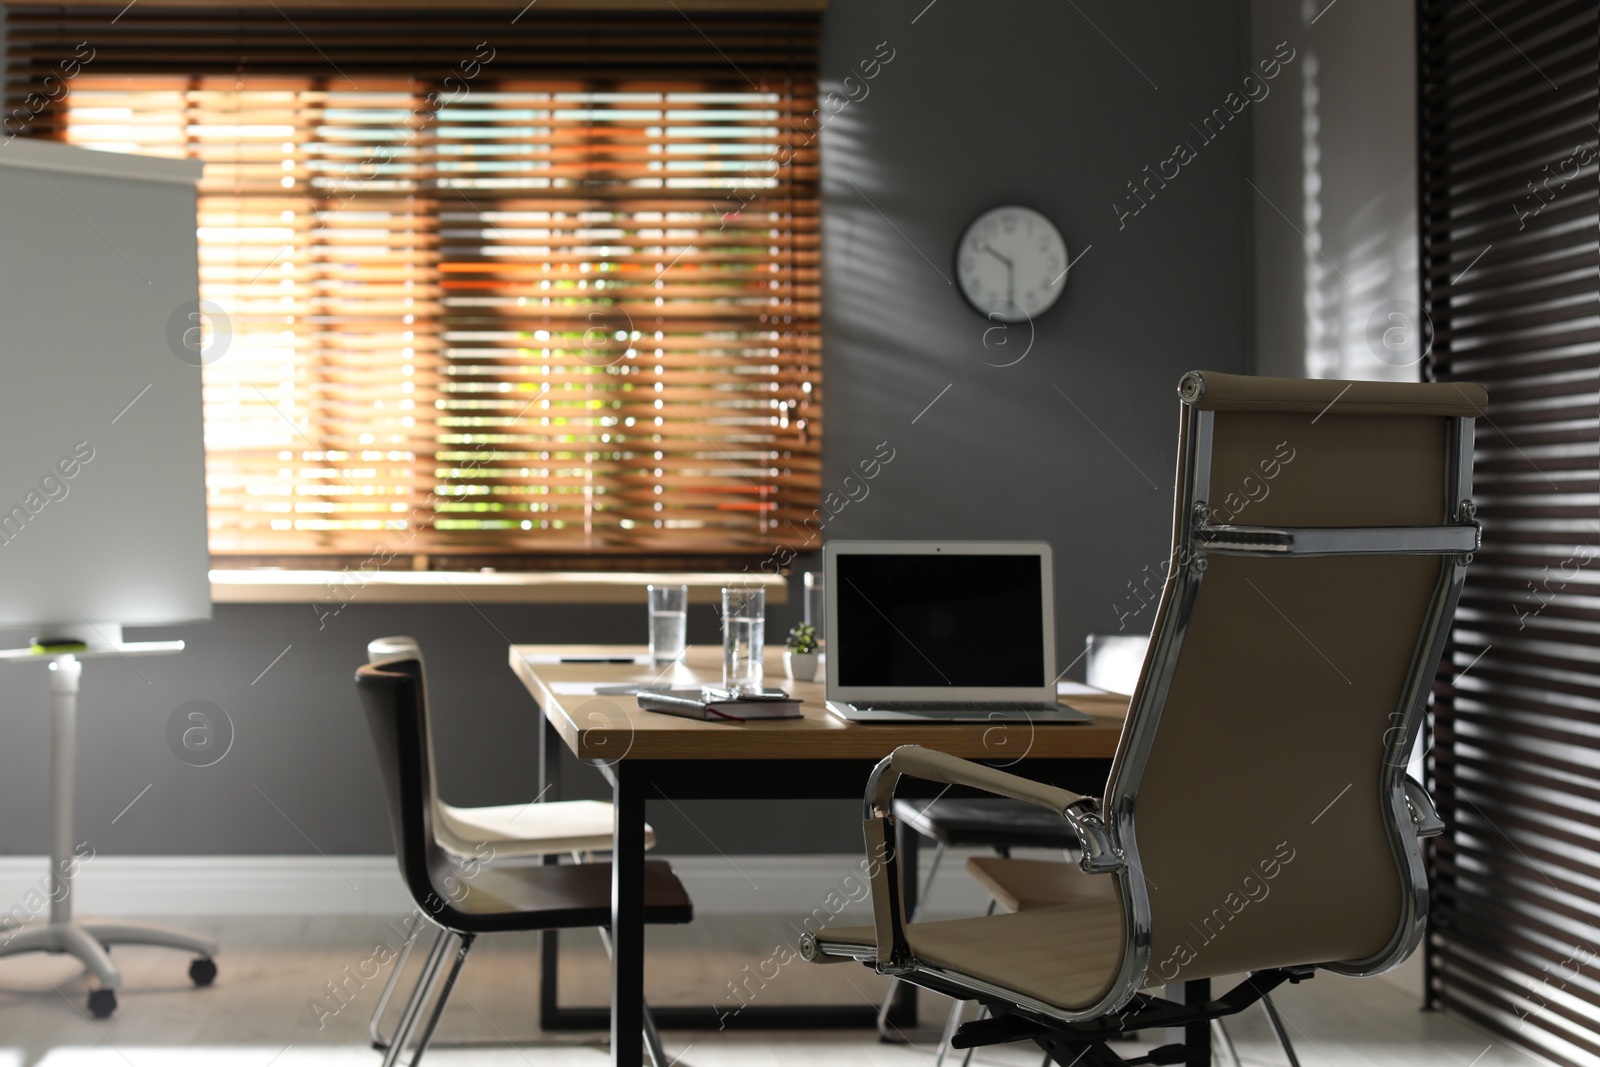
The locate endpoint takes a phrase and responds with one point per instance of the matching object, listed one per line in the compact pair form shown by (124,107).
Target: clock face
(1012,264)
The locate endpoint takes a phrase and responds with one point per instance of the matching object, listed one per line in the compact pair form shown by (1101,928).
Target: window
(551,288)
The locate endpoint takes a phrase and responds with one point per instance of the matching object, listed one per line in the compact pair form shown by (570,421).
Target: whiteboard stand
(93,404)
(89,941)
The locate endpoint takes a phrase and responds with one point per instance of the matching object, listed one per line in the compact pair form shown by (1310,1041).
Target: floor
(271,1007)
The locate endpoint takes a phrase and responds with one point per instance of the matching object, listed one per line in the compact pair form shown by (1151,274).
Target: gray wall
(1026,102)
(300,776)
(1032,104)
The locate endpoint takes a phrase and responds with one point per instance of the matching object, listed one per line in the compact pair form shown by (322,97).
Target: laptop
(942,631)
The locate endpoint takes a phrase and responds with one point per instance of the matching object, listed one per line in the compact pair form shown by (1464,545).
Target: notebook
(689,704)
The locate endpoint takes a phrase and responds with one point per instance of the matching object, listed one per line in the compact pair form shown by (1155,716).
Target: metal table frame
(634,782)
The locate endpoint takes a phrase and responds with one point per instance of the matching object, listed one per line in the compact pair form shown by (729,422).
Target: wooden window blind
(1511,282)
(488,286)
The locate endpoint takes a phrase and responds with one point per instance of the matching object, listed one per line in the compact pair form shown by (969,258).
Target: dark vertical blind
(1511,282)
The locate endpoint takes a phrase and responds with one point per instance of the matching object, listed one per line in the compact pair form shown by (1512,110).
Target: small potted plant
(800,655)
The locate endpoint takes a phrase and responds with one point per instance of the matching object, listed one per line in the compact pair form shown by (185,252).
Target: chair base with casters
(1067,1043)
(466,901)
(1085,1044)
(90,941)
(988,822)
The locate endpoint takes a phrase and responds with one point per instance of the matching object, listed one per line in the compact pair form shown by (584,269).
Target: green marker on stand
(55,646)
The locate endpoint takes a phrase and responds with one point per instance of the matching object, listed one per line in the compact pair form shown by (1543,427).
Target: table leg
(627,916)
(1197,1036)
(550,940)
(902,1013)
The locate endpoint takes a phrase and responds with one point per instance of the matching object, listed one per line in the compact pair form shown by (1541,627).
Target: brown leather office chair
(1015,884)
(1258,818)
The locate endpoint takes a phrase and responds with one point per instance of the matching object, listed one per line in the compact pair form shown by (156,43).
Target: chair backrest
(391,696)
(1321,536)
(382,651)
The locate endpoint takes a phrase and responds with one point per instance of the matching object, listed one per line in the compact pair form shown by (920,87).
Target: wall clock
(1011,264)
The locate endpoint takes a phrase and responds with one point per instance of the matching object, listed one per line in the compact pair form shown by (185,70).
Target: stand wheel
(102,1002)
(203,971)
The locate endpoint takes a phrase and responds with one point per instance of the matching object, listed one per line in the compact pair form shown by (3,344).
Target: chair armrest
(934,766)
(1424,816)
(1100,855)
(1081,812)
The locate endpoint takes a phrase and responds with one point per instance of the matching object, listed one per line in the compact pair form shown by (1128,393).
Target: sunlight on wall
(1317,266)
(1360,263)
(1338,300)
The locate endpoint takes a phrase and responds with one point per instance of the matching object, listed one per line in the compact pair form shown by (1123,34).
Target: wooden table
(651,756)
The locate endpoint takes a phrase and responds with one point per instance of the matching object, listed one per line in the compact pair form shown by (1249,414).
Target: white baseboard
(137,886)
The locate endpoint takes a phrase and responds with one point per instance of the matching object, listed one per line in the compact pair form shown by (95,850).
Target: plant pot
(800,666)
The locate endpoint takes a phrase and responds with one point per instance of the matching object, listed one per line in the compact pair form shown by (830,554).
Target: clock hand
(996,255)
(1011,274)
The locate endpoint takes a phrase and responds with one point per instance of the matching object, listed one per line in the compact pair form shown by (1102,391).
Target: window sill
(452,587)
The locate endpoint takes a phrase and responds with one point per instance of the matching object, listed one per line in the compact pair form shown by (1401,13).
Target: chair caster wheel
(102,1002)
(203,971)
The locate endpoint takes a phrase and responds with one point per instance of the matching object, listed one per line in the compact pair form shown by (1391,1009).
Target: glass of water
(816,586)
(744,613)
(669,623)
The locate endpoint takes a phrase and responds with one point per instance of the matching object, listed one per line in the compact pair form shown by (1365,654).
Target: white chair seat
(531,829)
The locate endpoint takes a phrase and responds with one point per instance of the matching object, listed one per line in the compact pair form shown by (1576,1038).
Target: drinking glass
(668,623)
(743,637)
(816,586)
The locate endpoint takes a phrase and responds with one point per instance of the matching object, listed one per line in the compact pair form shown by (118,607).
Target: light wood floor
(259,1014)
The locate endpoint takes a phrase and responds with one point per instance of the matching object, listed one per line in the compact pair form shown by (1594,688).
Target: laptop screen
(938,620)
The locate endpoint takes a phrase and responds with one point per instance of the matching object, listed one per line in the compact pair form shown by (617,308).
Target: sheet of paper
(594,688)
(547,659)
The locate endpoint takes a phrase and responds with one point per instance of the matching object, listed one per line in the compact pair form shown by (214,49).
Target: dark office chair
(465,902)
(506,831)
(1258,819)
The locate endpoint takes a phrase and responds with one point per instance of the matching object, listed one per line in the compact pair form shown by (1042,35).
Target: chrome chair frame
(1106,826)
(652,1036)
(941,846)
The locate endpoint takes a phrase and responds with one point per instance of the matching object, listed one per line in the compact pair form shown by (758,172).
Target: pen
(598,659)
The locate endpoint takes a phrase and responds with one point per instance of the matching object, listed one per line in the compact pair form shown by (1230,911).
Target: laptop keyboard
(955,705)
